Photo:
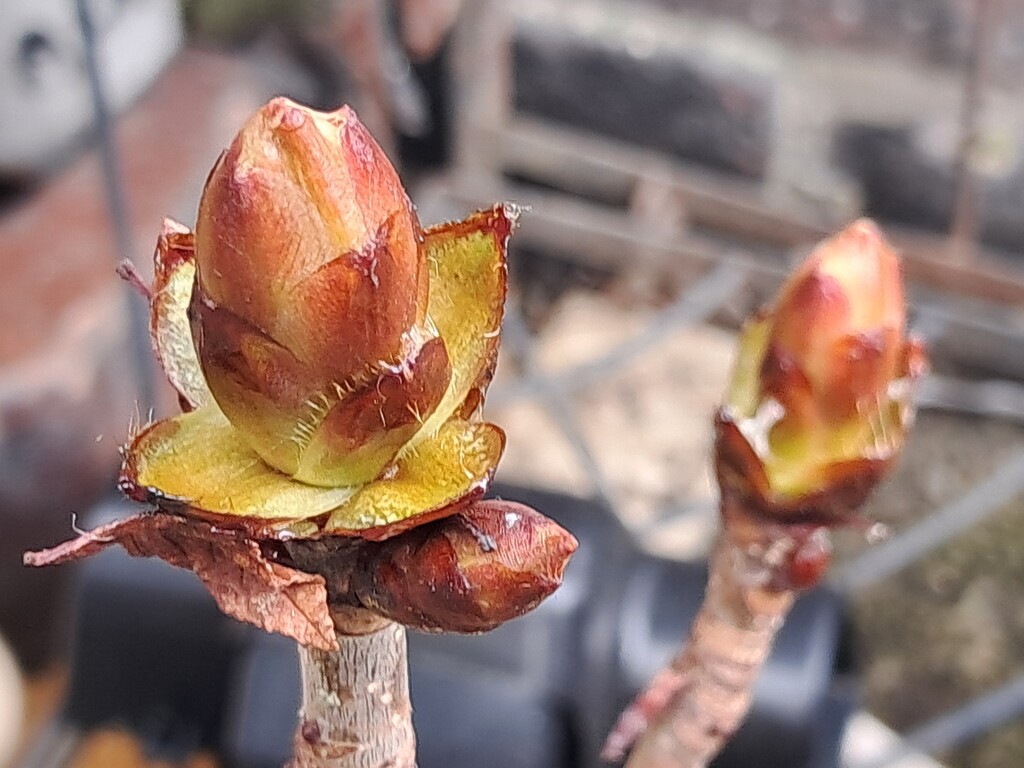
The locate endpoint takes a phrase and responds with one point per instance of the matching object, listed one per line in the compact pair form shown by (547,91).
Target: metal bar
(559,407)
(571,158)
(701,300)
(935,530)
(867,739)
(696,304)
(961,725)
(116,208)
(597,235)
(516,335)
(966,225)
(977,716)
(928,325)
(568,159)
(990,399)
(482,65)
(555,403)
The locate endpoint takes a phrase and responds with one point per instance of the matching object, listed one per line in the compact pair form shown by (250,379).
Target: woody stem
(694,704)
(355,710)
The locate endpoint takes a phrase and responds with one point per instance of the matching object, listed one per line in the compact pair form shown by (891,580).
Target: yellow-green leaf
(198,459)
(468,282)
(453,466)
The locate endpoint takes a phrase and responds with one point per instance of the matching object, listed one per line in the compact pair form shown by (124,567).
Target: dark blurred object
(173,640)
(237,21)
(929,33)
(389,61)
(662,99)
(152,653)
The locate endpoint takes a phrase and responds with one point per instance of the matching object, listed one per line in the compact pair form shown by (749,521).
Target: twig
(356,711)
(693,706)
(812,420)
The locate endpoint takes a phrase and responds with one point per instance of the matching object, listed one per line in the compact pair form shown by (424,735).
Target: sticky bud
(309,309)
(821,394)
(471,572)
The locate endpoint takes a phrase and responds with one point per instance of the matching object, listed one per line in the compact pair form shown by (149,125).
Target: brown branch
(694,705)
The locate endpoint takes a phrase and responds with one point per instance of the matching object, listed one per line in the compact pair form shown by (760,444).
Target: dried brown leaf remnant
(492,562)
(245,584)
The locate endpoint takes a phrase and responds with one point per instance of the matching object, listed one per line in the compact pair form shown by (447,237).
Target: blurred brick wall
(848,105)
(67,381)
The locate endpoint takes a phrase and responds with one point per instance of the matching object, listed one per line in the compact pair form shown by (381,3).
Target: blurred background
(677,156)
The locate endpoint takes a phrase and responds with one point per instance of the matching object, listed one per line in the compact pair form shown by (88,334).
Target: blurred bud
(820,399)
(839,321)
(309,310)
(492,562)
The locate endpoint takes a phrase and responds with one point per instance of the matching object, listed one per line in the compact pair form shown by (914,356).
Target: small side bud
(492,562)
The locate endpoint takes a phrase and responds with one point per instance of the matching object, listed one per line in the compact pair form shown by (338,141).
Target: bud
(309,309)
(839,320)
(331,358)
(820,398)
(331,361)
(471,572)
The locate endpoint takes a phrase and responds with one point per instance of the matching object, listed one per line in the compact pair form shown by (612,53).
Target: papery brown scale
(230,345)
(473,405)
(175,245)
(244,582)
(169,330)
(367,426)
(365,161)
(783,380)
(244,238)
(354,309)
(399,396)
(863,365)
(259,384)
(807,321)
(738,468)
